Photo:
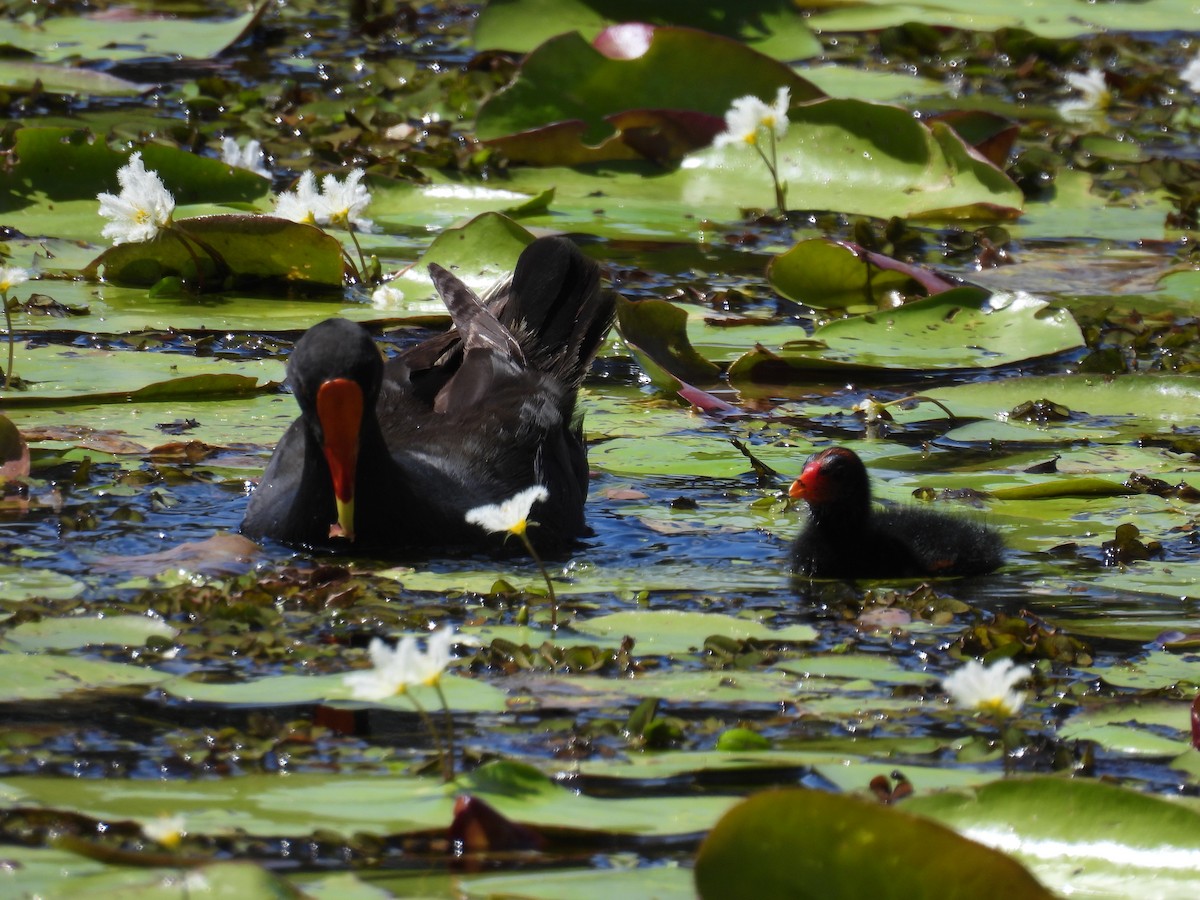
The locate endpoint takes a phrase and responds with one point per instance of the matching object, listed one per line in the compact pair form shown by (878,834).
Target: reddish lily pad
(773,27)
(14,452)
(595,107)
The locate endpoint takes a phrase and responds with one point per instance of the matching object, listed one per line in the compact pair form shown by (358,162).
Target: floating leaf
(86,631)
(1080,836)
(656,333)
(856,157)
(243,249)
(101,37)
(960,329)
(798,843)
(773,27)
(570,103)
(20,76)
(72,164)
(678,631)
(823,274)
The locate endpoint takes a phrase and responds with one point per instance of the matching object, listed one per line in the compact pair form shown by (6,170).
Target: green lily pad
(481,252)
(1133,729)
(1049,20)
(786,842)
(266,804)
(669,882)
(65,375)
(63,37)
(1156,671)
(22,582)
(677,631)
(462,694)
(43,677)
(856,157)
(71,164)
(824,274)
(21,76)
(1079,835)
(958,329)
(229,249)
(773,27)
(90,631)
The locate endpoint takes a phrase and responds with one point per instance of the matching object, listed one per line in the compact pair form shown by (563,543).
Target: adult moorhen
(846,538)
(392,456)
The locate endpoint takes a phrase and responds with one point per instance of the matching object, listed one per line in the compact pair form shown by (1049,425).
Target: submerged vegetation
(963,247)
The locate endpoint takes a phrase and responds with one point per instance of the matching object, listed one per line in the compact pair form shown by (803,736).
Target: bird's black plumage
(845,537)
(466,418)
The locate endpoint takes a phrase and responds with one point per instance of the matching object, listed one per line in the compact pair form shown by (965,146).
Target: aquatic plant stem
(773,167)
(8,327)
(362,260)
(545,576)
(450,749)
(427,721)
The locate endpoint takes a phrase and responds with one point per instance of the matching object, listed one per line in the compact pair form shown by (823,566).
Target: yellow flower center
(995,706)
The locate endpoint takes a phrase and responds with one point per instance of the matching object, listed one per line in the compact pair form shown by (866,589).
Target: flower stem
(546,576)
(450,750)
(447,771)
(362,260)
(8,326)
(772,164)
(190,252)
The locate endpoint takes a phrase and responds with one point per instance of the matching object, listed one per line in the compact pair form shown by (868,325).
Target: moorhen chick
(846,538)
(392,456)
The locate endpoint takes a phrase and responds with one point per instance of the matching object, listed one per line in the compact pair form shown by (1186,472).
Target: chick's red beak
(796,491)
(340,409)
(811,485)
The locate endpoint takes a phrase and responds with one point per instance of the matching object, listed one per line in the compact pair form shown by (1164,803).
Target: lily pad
(570,103)
(773,27)
(230,250)
(677,631)
(462,694)
(1079,835)
(26,676)
(18,75)
(72,164)
(801,843)
(89,631)
(101,37)
(959,329)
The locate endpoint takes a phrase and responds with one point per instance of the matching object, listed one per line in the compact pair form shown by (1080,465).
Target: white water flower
(143,207)
(339,203)
(512,515)
(1096,95)
(396,670)
(749,115)
(11,276)
(300,205)
(987,689)
(1191,74)
(343,202)
(387,297)
(250,157)
(168,831)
